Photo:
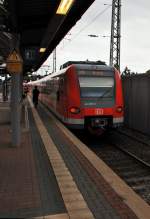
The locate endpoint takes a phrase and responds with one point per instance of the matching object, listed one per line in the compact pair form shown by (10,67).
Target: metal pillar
(5,89)
(14,65)
(54,60)
(15,109)
(115,34)
(21,85)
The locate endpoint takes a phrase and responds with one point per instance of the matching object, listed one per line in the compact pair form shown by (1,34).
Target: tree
(126,72)
(148,71)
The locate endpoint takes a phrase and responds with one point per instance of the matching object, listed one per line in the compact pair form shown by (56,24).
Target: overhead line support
(115,34)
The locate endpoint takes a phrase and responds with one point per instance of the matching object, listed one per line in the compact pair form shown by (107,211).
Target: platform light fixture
(64,6)
(42,49)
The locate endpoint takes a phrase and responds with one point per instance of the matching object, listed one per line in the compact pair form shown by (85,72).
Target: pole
(14,65)
(15,109)
(115,34)
(54,60)
(5,94)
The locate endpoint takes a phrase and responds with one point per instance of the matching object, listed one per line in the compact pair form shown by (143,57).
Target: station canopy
(36,25)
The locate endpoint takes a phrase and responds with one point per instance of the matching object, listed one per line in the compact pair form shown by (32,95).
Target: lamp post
(54,60)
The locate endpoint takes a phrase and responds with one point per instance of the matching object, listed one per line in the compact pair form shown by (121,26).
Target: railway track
(131,161)
(139,149)
(135,135)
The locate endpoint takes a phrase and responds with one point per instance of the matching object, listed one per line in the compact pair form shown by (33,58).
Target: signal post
(14,67)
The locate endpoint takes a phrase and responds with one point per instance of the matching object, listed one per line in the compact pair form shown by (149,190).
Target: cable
(98,15)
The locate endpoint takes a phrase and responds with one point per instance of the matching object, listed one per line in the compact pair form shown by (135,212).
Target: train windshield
(101,87)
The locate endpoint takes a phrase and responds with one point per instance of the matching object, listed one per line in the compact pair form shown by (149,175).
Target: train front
(100,97)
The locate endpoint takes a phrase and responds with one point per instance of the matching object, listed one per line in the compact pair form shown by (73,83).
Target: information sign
(14,62)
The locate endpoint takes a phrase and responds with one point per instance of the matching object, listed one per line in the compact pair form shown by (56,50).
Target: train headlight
(75,110)
(119,109)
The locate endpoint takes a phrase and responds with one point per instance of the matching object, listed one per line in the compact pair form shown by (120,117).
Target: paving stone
(50,193)
(85,184)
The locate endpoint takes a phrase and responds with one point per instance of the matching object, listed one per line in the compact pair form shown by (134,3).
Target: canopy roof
(36,24)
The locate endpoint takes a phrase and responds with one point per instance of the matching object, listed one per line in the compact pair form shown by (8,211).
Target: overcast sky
(135,36)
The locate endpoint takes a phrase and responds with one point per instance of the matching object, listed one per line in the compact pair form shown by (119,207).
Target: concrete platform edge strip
(57,216)
(74,201)
(133,200)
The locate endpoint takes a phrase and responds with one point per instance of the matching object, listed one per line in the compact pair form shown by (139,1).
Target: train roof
(66,64)
(85,66)
(78,67)
(40,80)
(93,67)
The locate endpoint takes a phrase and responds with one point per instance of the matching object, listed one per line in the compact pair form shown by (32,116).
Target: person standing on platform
(35,96)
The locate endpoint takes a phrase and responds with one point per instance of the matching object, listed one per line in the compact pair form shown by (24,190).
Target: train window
(95,73)
(102,87)
(96,81)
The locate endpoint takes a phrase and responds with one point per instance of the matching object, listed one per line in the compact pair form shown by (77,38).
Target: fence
(136,89)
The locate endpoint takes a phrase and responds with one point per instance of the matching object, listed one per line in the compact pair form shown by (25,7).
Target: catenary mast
(115,34)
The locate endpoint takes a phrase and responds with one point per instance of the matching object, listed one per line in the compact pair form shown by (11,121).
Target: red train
(84,96)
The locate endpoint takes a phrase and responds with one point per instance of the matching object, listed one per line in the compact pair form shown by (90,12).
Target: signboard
(14,62)
(2,71)
(30,54)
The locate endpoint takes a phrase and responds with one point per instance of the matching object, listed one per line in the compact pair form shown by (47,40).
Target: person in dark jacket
(35,96)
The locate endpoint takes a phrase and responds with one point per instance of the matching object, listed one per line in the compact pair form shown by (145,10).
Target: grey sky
(135,40)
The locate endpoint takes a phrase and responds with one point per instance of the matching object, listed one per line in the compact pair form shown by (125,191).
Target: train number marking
(99,111)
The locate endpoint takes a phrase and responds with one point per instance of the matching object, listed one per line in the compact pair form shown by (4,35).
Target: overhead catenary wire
(82,29)
(86,26)
(97,16)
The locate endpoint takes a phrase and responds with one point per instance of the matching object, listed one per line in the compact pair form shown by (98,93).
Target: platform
(54,175)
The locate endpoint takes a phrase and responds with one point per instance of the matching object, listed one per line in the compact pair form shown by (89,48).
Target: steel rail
(134,138)
(133,156)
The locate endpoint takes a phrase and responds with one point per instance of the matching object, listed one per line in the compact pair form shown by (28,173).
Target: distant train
(84,95)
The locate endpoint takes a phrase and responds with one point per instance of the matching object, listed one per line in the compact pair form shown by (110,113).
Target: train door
(61,97)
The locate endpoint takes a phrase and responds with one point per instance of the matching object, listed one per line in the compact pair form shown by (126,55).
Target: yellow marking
(14,57)
(71,197)
(58,167)
(133,200)
(80,214)
(67,184)
(75,205)
(68,187)
(56,216)
(14,62)
(70,190)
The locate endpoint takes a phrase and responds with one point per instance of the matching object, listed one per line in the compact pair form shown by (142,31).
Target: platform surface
(28,186)
(31,184)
